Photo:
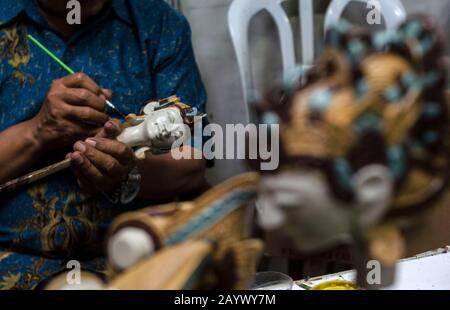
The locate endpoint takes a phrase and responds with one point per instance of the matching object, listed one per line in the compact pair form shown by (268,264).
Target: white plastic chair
(242,11)
(239,16)
(393,11)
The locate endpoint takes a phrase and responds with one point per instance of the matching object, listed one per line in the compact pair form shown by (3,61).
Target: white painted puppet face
(300,206)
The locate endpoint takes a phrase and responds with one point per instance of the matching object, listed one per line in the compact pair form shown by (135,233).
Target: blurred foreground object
(364,145)
(272,281)
(426,271)
(203,244)
(69,281)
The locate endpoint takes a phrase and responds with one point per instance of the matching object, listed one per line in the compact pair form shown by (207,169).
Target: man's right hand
(74,109)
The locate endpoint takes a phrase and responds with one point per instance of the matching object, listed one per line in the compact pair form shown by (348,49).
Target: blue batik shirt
(141,50)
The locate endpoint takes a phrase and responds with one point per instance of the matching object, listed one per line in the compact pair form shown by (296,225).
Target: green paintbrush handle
(66,67)
(53,56)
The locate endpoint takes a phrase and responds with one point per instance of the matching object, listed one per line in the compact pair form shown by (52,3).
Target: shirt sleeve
(175,68)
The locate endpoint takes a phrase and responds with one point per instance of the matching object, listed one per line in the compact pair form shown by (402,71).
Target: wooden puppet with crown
(364,144)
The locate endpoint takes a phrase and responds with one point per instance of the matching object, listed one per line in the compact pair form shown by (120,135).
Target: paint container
(337,285)
(272,281)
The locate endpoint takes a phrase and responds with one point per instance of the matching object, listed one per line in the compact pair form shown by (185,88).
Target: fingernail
(106,91)
(103,97)
(110,124)
(68,155)
(78,158)
(80,146)
(91,142)
(115,125)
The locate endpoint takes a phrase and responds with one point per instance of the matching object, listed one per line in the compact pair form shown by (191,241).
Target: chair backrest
(242,11)
(393,11)
(239,16)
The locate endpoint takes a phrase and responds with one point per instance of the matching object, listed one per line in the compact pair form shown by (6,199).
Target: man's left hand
(100,163)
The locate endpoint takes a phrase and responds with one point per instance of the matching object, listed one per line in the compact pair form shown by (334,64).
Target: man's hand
(73,109)
(100,163)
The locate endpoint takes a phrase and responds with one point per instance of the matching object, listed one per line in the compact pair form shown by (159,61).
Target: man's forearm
(164,177)
(19,149)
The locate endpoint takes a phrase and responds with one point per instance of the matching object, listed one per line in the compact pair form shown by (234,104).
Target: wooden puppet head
(364,143)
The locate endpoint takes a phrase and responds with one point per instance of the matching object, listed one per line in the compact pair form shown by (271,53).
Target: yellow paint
(337,285)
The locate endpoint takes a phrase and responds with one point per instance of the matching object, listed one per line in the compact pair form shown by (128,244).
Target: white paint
(159,130)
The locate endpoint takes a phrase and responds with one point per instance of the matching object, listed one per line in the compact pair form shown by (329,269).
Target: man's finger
(122,152)
(116,123)
(78,131)
(84,97)
(86,115)
(87,169)
(111,130)
(108,93)
(81,80)
(105,163)
(85,185)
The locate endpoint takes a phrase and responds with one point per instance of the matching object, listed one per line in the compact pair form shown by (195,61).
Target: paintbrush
(35,176)
(68,69)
